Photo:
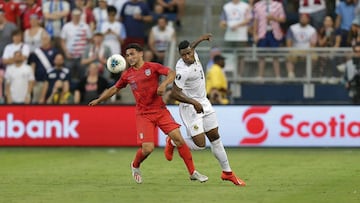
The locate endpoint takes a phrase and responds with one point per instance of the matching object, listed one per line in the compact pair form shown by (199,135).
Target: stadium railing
(305,66)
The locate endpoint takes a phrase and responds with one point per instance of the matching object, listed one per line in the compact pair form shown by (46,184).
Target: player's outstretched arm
(203,37)
(177,94)
(167,81)
(104,96)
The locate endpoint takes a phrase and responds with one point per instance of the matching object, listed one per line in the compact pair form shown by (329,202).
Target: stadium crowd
(55,51)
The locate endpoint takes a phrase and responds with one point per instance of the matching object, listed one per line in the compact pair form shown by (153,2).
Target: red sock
(139,157)
(185,154)
(228,172)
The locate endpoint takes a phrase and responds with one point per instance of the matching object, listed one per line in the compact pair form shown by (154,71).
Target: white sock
(219,152)
(192,146)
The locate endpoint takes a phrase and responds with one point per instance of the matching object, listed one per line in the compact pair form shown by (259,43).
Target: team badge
(148,72)
(178,76)
(196,127)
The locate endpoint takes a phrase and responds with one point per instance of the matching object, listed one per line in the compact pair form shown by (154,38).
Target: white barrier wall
(285,126)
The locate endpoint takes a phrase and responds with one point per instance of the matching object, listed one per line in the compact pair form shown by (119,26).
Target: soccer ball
(116,63)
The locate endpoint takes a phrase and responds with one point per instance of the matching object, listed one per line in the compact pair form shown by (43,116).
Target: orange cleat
(230,176)
(169,149)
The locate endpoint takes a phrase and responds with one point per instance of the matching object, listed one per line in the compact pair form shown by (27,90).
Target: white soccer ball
(116,63)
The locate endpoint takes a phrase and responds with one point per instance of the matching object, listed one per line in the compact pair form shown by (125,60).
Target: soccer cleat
(232,177)
(136,173)
(198,176)
(169,149)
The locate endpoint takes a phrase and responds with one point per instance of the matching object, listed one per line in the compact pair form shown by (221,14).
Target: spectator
(11,11)
(173,6)
(55,16)
(97,53)
(74,38)
(158,12)
(234,18)
(17,44)
(354,36)
(328,36)
(267,30)
(33,35)
(58,72)
(149,56)
(42,61)
(134,15)
(316,10)
(300,36)
(6,28)
(91,86)
(58,95)
(213,52)
(114,32)
(118,4)
(160,38)
(19,80)
(31,7)
(345,12)
(86,14)
(216,82)
(352,67)
(101,15)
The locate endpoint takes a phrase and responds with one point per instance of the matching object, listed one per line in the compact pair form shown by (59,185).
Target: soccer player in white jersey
(196,111)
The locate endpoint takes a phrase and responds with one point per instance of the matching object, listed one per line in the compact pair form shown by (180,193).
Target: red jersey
(144,84)
(27,12)
(11,10)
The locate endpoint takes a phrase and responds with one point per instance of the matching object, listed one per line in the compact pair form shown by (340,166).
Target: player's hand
(94,102)
(206,36)
(198,107)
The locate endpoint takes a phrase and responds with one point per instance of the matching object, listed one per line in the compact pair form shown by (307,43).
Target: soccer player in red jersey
(151,112)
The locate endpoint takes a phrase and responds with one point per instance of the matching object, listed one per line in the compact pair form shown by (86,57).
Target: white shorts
(197,123)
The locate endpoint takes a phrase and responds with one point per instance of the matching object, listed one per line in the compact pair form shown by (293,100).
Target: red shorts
(146,125)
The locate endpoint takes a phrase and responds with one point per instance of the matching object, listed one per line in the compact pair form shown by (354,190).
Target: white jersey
(234,14)
(191,79)
(302,37)
(18,78)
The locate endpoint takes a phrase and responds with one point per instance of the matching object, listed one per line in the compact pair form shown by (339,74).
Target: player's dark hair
(135,46)
(184,44)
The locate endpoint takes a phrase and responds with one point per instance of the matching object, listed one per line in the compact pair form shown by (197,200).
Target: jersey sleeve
(122,82)
(161,69)
(181,77)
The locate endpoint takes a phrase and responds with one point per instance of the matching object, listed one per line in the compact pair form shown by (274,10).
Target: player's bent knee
(147,148)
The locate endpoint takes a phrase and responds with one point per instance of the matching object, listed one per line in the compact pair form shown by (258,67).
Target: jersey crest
(178,76)
(148,72)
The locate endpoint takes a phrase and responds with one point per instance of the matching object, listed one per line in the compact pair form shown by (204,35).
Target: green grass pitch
(67,175)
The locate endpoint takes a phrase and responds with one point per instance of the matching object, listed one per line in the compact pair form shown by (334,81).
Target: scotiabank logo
(255,125)
(64,128)
(335,126)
